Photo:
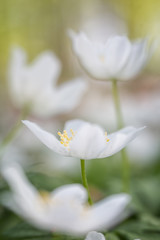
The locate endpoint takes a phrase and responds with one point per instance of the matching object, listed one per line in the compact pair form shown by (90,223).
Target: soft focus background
(43,25)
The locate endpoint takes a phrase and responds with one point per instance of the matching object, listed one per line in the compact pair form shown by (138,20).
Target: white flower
(85,140)
(34,85)
(95,236)
(117,58)
(63,210)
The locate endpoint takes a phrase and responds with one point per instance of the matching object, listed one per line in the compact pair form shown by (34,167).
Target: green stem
(12,133)
(84,180)
(125,160)
(117,104)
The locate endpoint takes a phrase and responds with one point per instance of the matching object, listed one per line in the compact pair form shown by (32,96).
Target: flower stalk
(84,180)
(120,124)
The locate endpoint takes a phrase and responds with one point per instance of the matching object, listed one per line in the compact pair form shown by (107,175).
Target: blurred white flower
(34,85)
(95,236)
(64,209)
(84,140)
(117,58)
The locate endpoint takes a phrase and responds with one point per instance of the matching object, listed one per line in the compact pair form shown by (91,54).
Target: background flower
(33,86)
(117,58)
(64,209)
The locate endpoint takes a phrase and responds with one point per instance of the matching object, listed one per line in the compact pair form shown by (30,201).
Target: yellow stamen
(44,196)
(64,139)
(72,132)
(107,139)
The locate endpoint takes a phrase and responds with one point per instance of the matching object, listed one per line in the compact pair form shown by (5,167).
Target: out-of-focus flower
(64,209)
(95,236)
(117,58)
(84,140)
(34,86)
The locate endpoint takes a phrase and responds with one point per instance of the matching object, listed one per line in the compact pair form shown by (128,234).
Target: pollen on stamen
(65,139)
(72,132)
(107,139)
(44,197)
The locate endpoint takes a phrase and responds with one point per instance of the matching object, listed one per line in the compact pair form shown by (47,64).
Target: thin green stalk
(12,133)
(117,104)
(125,160)
(84,180)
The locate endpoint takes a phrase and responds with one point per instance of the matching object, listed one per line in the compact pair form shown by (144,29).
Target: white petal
(68,95)
(32,83)
(95,236)
(27,211)
(45,69)
(18,182)
(23,191)
(77,219)
(137,59)
(89,55)
(46,138)
(119,140)
(39,77)
(117,53)
(25,199)
(81,44)
(75,124)
(70,192)
(104,213)
(88,142)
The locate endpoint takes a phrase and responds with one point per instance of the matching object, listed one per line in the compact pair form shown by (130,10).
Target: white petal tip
(27,122)
(124,198)
(93,235)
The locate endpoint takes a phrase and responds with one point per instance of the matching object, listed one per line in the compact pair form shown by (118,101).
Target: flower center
(102,58)
(64,139)
(44,196)
(107,139)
